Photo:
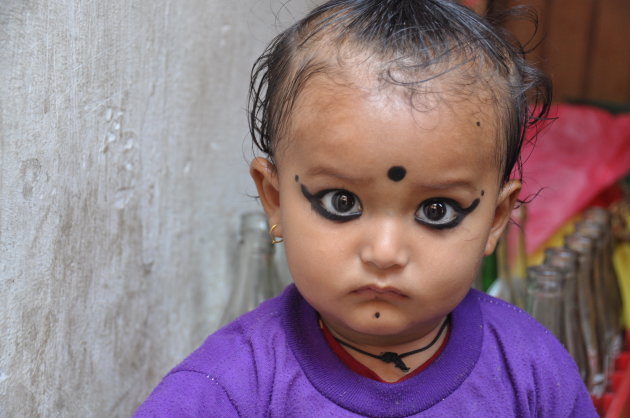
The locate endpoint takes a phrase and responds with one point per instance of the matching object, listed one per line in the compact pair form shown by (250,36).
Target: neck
(402,358)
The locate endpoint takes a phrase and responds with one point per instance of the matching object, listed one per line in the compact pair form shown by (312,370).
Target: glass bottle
(604,218)
(545,294)
(590,320)
(500,286)
(282,272)
(567,261)
(603,291)
(254,275)
(511,262)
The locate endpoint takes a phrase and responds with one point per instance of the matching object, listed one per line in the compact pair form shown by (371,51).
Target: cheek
(313,249)
(315,278)
(457,262)
(310,243)
(301,258)
(306,248)
(465,270)
(319,261)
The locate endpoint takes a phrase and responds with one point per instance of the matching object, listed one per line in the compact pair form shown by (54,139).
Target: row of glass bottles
(575,294)
(256,276)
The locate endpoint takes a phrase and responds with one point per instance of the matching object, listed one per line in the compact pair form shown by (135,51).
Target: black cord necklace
(391,357)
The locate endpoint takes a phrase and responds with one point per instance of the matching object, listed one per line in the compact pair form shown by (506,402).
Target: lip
(379,291)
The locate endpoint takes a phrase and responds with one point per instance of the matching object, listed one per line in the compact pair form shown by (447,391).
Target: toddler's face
(386,211)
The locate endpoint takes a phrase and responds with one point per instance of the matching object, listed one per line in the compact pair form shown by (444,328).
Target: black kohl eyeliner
(462,213)
(316,205)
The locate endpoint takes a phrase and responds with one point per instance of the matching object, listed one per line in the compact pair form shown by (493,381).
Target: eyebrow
(455,184)
(439,186)
(328,172)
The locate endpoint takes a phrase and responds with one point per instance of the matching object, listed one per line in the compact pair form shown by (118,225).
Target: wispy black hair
(420,38)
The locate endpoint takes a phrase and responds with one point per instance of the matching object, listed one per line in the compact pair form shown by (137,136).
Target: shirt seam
(216,381)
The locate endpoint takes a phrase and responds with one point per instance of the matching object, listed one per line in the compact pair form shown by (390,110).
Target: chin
(386,325)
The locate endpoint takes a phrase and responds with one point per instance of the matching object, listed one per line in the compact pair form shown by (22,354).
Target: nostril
(384,260)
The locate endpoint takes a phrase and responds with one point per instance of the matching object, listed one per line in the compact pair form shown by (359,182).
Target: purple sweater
(275,362)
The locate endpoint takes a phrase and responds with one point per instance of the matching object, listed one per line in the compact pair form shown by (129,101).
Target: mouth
(380,292)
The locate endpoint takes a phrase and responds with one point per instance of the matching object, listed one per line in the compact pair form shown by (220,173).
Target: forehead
(351,111)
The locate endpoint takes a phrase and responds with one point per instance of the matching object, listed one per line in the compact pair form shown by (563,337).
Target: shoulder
(523,353)
(504,318)
(187,393)
(519,338)
(230,372)
(236,344)
(512,327)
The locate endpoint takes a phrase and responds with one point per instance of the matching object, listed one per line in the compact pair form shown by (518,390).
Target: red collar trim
(364,371)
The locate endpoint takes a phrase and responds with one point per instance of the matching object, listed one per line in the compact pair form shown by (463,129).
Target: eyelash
(318,206)
(459,215)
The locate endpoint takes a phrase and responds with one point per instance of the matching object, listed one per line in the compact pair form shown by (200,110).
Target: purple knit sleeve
(188,394)
(583,406)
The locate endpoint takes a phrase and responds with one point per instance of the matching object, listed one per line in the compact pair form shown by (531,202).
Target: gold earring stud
(275,240)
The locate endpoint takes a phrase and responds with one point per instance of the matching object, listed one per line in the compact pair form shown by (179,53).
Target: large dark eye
(439,213)
(335,204)
(435,211)
(340,203)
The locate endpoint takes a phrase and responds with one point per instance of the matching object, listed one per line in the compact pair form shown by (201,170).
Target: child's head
(402,43)
(391,128)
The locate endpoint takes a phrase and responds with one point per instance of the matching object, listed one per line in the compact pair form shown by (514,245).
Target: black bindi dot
(478,123)
(396,173)
(483,192)
(377,315)
(297,178)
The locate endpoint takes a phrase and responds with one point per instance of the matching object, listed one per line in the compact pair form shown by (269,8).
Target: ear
(505,203)
(265,176)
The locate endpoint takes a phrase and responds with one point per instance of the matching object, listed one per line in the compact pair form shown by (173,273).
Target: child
(391,128)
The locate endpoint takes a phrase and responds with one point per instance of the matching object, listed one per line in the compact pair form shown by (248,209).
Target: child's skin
(384,277)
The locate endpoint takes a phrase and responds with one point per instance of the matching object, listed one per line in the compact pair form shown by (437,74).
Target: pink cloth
(577,157)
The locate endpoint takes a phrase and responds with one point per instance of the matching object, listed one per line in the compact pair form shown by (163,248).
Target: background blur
(581,44)
(123,169)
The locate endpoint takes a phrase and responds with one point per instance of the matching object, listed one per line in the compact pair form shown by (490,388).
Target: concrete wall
(123,148)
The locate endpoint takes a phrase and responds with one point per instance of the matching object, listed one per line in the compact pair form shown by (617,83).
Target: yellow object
(275,240)
(621,260)
(556,240)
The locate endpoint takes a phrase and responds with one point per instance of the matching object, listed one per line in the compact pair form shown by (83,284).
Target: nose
(384,245)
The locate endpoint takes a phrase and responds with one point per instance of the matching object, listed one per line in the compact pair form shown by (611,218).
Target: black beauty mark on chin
(483,192)
(297,178)
(396,173)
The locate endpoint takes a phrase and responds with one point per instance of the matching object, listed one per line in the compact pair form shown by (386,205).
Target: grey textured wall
(122,169)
